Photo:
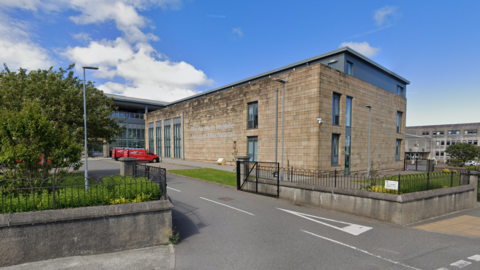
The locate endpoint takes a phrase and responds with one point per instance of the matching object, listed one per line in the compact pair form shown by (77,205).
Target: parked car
(39,163)
(141,155)
(471,163)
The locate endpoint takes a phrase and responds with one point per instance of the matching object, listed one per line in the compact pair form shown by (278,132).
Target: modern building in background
(326,117)
(131,111)
(439,137)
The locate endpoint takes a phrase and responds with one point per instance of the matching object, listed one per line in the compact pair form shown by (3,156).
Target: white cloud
(382,15)
(147,73)
(82,37)
(238,31)
(17,49)
(362,47)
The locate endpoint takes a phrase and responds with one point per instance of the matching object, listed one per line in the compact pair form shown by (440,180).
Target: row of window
(452,132)
(127,115)
(452,142)
(335,149)
(167,140)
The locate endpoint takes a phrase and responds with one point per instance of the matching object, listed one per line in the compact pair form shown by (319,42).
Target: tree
(57,99)
(463,151)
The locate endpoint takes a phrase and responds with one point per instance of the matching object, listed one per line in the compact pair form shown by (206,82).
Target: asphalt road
(222,228)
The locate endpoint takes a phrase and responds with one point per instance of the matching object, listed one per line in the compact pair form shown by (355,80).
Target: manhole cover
(226,199)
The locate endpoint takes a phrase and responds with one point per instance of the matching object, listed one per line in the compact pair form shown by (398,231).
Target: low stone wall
(34,236)
(398,209)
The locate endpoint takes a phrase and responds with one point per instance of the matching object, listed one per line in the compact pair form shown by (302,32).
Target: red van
(117,153)
(141,155)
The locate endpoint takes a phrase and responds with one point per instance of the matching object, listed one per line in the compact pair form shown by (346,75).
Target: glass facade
(127,115)
(177,137)
(167,138)
(253,148)
(253,115)
(151,139)
(133,136)
(158,126)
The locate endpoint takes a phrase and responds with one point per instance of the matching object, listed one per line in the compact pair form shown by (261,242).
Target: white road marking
(228,206)
(353,229)
(475,258)
(174,189)
(443,268)
(361,250)
(461,264)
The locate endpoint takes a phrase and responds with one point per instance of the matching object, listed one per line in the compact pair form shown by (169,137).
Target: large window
(253,115)
(348,121)
(348,152)
(349,70)
(167,138)
(398,150)
(159,138)
(336,109)
(151,140)
(335,146)
(400,91)
(177,137)
(253,148)
(399,122)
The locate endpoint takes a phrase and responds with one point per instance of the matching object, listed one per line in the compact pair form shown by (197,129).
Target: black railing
(70,192)
(384,182)
(259,171)
(156,174)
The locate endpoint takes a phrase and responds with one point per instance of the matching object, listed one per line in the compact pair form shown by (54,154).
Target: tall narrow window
(177,137)
(253,148)
(167,138)
(151,140)
(336,109)
(335,146)
(399,122)
(158,126)
(398,150)
(347,154)
(348,121)
(253,115)
(349,70)
(400,91)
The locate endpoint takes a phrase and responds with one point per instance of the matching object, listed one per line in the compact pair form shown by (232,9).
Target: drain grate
(226,199)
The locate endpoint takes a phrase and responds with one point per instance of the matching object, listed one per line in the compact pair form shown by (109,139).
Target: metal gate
(425,165)
(258,177)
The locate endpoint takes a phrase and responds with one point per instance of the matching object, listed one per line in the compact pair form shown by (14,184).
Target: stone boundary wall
(398,209)
(35,236)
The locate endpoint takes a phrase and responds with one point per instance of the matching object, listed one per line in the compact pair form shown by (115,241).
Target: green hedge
(71,193)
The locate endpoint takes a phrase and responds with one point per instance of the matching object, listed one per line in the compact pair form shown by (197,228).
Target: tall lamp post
(369,123)
(283,122)
(85,123)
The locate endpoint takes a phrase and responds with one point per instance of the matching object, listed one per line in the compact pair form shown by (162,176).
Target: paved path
(152,258)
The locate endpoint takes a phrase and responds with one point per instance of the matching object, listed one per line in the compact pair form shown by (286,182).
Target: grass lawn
(212,175)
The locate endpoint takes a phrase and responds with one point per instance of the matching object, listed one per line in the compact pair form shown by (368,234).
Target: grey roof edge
(299,63)
(446,125)
(137,100)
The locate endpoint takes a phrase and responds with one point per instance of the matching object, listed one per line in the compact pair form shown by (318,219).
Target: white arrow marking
(352,229)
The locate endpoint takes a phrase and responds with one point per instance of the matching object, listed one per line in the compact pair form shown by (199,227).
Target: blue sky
(169,49)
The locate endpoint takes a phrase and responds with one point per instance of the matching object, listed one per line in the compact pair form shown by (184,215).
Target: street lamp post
(85,123)
(283,122)
(369,123)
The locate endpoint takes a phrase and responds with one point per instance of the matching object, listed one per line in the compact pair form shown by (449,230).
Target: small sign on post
(391,185)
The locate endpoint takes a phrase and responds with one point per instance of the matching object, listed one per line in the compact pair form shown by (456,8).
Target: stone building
(239,118)
(440,137)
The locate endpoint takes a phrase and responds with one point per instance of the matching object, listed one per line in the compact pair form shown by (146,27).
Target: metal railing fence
(156,174)
(21,195)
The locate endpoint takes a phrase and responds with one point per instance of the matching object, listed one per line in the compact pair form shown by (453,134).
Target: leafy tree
(57,98)
(463,151)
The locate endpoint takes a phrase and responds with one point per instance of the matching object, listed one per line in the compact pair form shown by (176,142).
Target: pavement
(152,258)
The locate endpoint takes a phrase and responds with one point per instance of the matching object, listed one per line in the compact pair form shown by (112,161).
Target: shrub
(446,170)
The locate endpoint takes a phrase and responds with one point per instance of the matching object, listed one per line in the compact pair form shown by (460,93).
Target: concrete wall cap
(50,216)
